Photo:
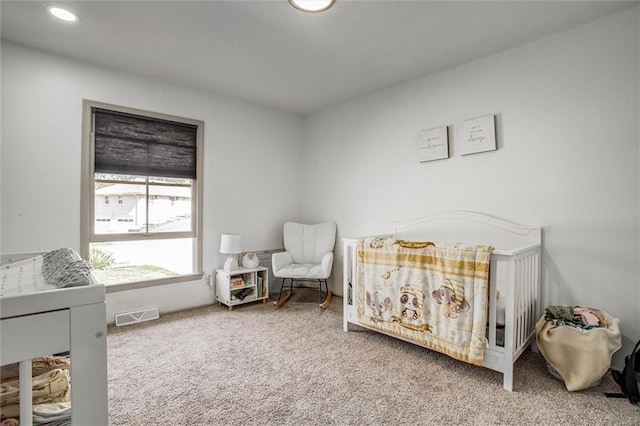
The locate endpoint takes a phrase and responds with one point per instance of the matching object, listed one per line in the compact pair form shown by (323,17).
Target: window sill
(114,288)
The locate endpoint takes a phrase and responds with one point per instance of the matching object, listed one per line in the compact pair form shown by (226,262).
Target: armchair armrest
(280,260)
(327,264)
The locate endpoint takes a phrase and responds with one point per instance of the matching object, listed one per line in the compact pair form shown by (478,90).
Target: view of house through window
(145,204)
(143,196)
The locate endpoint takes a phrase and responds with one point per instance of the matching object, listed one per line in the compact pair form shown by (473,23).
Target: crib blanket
(432,293)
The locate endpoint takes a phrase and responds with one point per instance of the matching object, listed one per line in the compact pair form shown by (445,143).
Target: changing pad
(59,268)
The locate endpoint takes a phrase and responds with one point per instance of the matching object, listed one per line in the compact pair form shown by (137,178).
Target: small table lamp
(230,244)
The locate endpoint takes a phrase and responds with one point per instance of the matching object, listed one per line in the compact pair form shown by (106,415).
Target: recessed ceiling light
(312,5)
(62,14)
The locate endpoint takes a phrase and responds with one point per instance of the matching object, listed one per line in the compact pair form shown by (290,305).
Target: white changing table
(53,321)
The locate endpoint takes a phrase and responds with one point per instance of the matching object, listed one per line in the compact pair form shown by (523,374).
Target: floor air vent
(124,318)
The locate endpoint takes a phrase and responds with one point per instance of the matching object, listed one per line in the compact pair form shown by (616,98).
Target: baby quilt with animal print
(432,293)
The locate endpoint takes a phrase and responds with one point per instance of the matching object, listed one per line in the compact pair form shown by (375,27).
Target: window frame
(87,198)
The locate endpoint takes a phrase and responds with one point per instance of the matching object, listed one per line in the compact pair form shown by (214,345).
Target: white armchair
(308,256)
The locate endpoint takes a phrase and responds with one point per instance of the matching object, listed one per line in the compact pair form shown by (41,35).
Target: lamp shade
(230,244)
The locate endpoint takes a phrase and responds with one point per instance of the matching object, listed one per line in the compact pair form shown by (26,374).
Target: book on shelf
(236,282)
(259,288)
(249,280)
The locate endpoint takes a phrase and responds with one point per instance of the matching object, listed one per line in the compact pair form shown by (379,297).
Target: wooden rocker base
(285,299)
(327,300)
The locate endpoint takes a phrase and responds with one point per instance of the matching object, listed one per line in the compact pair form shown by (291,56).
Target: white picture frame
(433,144)
(478,135)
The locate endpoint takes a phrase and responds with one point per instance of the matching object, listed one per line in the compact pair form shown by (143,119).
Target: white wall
(251,155)
(567,125)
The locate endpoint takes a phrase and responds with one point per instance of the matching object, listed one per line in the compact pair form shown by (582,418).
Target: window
(152,164)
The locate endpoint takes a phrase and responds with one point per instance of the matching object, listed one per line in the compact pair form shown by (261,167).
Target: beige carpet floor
(259,365)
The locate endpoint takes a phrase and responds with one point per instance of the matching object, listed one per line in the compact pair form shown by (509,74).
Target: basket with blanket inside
(578,343)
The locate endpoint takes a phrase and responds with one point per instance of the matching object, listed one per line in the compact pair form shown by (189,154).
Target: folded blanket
(55,412)
(47,363)
(580,356)
(53,386)
(39,366)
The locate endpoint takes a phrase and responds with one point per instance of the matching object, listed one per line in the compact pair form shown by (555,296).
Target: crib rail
(526,298)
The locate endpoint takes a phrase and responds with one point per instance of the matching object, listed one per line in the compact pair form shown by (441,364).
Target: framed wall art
(478,135)
(433,144)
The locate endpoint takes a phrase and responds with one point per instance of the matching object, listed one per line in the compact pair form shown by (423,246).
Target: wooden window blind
(138,145)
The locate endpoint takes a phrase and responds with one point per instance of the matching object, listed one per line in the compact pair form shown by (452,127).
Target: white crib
(514,292)
(40,323)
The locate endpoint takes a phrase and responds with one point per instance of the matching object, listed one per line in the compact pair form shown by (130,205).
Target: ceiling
(269,53)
